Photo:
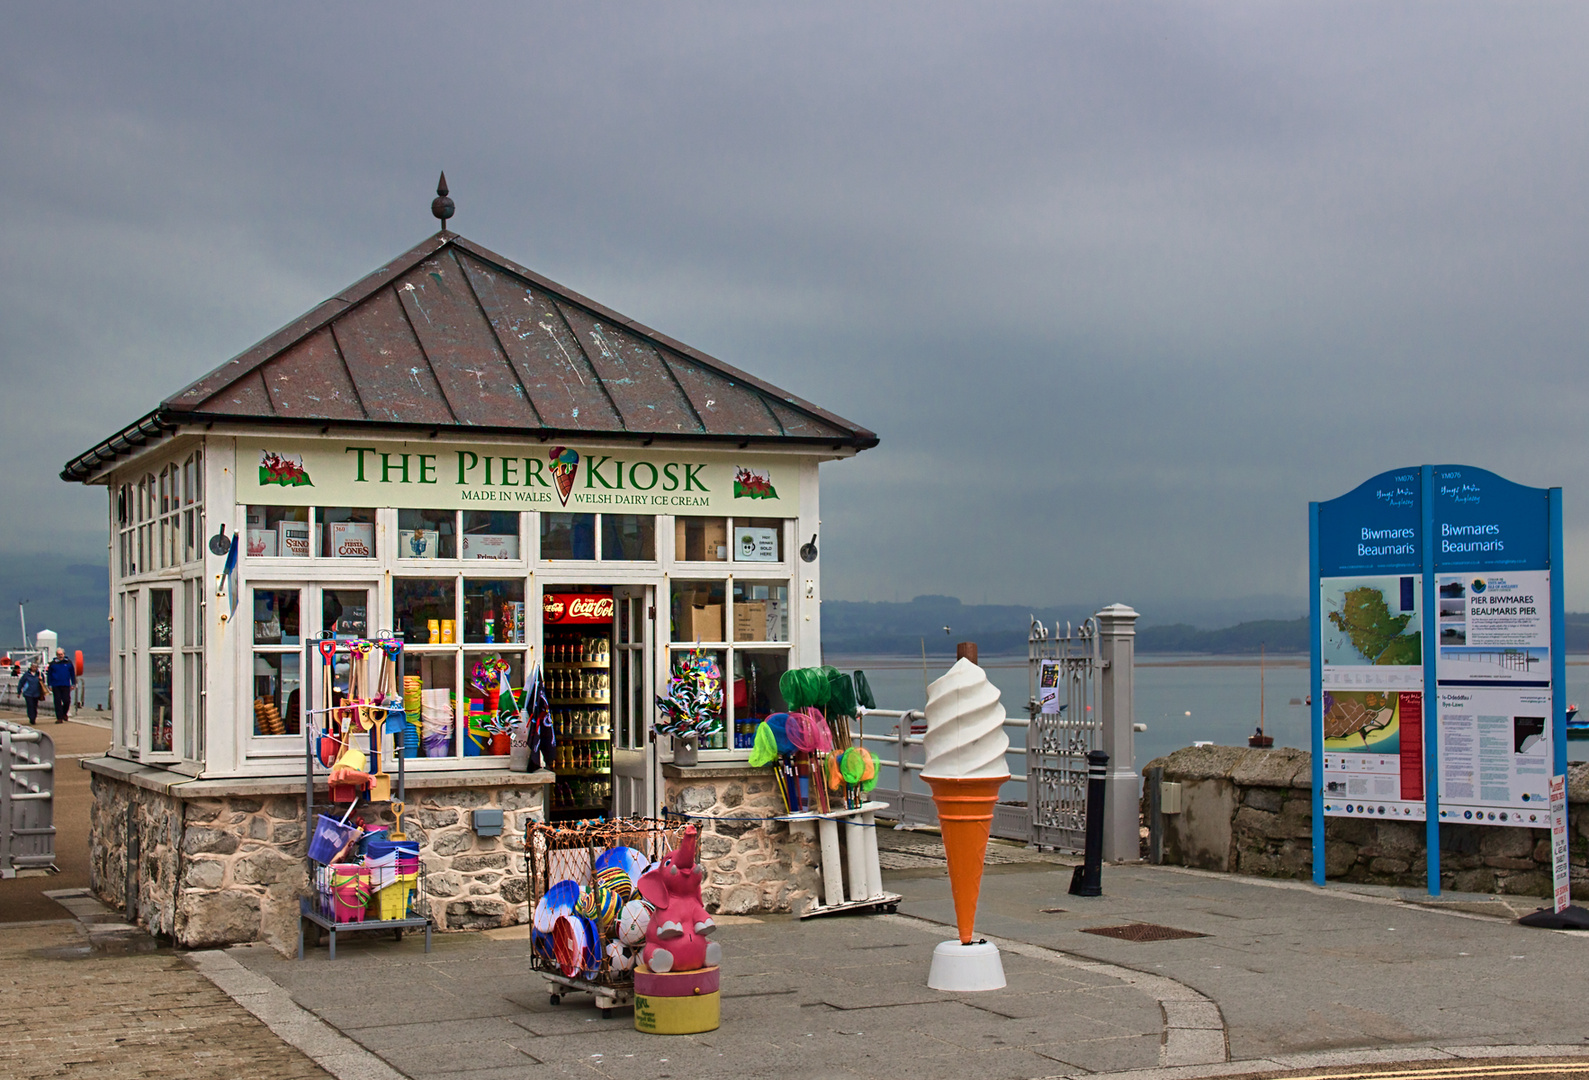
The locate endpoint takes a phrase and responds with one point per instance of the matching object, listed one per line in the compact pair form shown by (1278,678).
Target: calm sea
(1182,700)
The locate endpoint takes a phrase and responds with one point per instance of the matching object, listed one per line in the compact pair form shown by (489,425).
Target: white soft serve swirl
(965,725)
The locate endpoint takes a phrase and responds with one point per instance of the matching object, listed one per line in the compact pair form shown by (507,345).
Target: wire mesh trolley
(568,852)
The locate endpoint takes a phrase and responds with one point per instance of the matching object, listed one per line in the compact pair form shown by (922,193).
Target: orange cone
(965,817)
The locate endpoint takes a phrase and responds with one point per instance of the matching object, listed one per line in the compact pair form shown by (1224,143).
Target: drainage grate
(1141,931)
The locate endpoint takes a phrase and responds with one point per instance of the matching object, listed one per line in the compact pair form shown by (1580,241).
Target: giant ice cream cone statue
(965,746)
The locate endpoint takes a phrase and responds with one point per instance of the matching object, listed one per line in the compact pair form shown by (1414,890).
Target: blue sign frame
(1427,520)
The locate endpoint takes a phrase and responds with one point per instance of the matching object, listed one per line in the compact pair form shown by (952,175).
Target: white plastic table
(860,841)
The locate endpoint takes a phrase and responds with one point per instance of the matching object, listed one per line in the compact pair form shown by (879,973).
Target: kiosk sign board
(1437,652)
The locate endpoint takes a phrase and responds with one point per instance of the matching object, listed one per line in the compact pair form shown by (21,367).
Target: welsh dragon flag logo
(284,469)
(753,484)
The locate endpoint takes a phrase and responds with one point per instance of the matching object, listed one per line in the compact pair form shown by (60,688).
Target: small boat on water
(1258,740)
(1577,728)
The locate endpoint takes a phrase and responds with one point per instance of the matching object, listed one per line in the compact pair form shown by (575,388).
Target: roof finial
(441,206)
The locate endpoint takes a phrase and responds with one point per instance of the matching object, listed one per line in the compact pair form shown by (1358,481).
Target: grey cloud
(1121,287)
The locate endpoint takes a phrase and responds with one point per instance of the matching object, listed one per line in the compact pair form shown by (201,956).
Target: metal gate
(1058,742)
(27,800)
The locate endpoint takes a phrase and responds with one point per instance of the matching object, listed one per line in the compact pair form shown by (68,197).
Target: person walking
(31,687)
(62,676)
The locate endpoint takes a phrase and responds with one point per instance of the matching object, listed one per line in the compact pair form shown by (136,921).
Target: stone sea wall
(752,863)
(216,869)
(1249,811)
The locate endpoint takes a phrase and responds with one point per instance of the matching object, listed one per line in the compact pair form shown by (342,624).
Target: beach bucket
(439,743)
(330,835)
(410,739)
(392,901)
(350,890)
(501,743)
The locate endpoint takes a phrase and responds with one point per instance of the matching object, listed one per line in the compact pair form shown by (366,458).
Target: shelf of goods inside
(579,687)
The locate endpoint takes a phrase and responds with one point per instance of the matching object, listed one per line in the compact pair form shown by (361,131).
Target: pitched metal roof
(450,336)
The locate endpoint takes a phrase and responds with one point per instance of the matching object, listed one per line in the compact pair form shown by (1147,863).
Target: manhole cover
(1141,931)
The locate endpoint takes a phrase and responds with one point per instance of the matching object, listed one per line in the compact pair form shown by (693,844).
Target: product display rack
(579,690)
(311,920)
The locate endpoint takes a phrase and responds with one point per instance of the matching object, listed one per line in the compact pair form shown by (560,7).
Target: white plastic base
(962,969)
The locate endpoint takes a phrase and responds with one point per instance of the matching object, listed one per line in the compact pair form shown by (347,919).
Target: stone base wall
(216,869)
(753,863)
(1250,811)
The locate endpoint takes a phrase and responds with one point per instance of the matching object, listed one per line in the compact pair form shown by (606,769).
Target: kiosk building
(489,465)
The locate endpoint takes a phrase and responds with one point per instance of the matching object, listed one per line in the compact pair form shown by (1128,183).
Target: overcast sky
(1120,286)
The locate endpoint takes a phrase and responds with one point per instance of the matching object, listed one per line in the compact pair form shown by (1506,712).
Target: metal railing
(900,783)
(27,800)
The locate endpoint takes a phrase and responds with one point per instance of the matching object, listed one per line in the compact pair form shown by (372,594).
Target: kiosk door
(634,754)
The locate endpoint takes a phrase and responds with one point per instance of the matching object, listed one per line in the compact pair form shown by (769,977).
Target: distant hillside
(65,595)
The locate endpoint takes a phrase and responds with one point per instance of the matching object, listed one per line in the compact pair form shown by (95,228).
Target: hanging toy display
(693,708)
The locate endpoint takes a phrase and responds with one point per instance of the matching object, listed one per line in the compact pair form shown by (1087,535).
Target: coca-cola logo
(573,607)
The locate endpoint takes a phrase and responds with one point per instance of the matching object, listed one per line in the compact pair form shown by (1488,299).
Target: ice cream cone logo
(565,465)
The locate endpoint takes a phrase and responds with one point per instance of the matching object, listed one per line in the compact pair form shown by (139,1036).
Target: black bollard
(1087,880)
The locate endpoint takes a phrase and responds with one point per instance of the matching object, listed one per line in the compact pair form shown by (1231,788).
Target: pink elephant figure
(676,937)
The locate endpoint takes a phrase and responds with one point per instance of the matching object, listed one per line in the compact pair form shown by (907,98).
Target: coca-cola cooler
(577,652)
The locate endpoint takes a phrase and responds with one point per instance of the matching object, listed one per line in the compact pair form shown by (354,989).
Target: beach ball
(633,921)
(619,958)
(590,902)
(610,906)
(616,881)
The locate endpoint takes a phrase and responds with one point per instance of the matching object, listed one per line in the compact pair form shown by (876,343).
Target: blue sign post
(1437,652)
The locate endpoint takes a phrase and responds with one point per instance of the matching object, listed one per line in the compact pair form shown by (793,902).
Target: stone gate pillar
(1117,650)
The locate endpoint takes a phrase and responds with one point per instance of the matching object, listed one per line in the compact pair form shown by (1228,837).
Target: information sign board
(1558,842)
(1437,651)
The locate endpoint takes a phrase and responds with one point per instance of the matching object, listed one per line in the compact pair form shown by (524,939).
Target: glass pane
(160,701)
(427,534)
(277,531)
(755,692)
(568,536)
(159,618)
(276,694)
(628,537)
(491,534)
(192,687)
(697,611)
(483,681)
(715,739)
(493,611)
(424,611)
(190,612)
(700,539)
(637,694)
(761,611)
(438,687)
(346,532)
(345,612)
(276,617)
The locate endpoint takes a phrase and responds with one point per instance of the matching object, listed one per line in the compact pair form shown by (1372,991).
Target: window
(700,539)
(752,616)
(160,641)
(278,648)
(568,536)
(193,507)
(758,540)
(761,610)
(624,537)
(629,537)
(277,532)
(193,669)
(491,534)
(493,611)
(698,611)
(424,610)
(427,534)
(346,532)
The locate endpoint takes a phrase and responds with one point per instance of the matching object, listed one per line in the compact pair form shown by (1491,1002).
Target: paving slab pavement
(837,997)
(1297,969)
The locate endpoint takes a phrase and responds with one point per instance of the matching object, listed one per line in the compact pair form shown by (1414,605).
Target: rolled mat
(965,817)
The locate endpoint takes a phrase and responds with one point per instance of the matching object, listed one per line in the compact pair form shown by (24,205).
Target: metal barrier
(909,798)
(27,800)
